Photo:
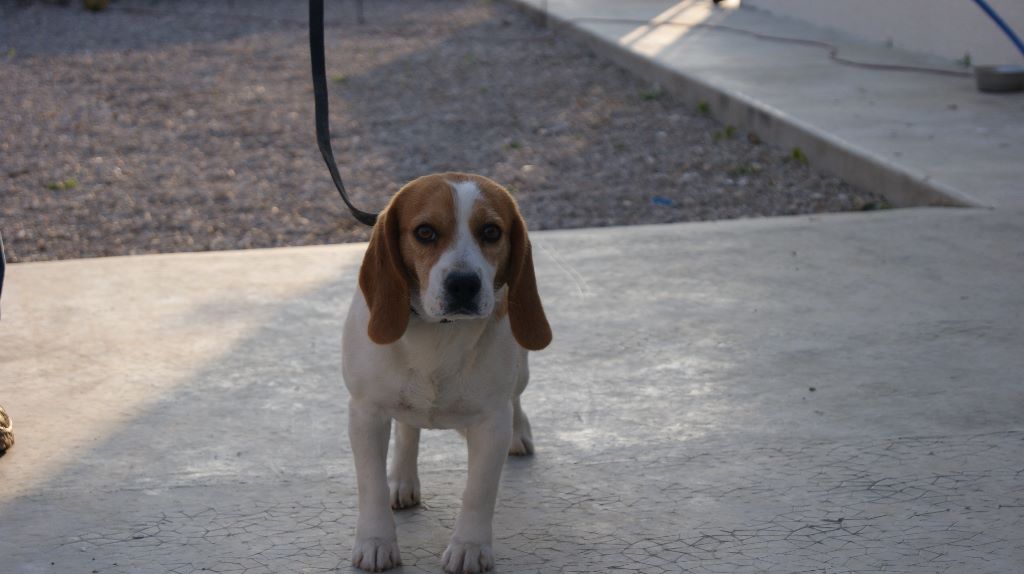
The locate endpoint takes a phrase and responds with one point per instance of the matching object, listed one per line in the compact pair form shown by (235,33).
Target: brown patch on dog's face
(425,204)
(494,210)
(513,259)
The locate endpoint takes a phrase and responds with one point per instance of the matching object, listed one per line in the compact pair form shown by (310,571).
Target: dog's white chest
(436,375)
(455,377)
(438,402)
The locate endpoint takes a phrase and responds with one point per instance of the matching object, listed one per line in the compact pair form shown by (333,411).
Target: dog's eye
(491,233)
(425,234)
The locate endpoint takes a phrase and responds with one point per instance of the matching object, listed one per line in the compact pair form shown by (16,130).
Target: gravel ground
(187,125)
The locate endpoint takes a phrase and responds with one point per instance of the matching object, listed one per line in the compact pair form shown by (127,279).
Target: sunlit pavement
(838,393)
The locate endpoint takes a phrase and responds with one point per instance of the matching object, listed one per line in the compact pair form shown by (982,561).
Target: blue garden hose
(1001,23)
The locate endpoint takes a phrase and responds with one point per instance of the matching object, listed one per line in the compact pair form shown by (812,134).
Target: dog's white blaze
(464,254)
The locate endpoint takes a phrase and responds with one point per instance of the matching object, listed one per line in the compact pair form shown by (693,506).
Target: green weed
(68,183)
(876,205)
(652,94)
(741,170)
(798,155)
(726,133)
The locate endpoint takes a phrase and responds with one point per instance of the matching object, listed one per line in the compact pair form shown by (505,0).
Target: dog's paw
(522,443)
(376,554)
(467,558)
(405,493)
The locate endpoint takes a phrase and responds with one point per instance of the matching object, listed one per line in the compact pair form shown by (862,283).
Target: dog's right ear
(383,281)
(525,312)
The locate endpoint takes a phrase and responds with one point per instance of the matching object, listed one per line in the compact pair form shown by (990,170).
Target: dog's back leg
(522,437)
(404,479)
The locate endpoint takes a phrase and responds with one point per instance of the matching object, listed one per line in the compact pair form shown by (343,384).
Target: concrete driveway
(827,394)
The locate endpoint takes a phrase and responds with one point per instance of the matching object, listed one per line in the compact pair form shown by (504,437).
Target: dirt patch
(159,126)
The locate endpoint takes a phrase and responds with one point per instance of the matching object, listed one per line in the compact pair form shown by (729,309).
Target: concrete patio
(837,393)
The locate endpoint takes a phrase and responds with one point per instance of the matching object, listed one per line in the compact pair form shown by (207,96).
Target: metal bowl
(999,78)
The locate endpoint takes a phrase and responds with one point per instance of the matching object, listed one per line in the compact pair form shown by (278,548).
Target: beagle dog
(437,337)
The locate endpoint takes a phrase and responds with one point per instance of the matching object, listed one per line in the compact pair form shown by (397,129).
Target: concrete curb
(903,186)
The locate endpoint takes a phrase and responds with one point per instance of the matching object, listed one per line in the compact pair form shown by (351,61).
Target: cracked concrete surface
(827,394)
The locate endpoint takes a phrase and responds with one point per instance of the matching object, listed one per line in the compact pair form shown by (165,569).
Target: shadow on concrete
(240,463)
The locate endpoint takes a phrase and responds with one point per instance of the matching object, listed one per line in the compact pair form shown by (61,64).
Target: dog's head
(444,247)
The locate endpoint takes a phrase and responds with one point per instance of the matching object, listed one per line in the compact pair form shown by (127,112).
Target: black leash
(323,126)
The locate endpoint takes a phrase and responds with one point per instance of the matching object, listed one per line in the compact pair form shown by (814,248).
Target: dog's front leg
(470,550)
(376,546)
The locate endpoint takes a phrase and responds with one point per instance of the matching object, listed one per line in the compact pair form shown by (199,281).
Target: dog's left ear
(383,281)
(525,312)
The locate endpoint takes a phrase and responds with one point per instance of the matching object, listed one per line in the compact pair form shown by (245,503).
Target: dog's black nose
(461,289)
